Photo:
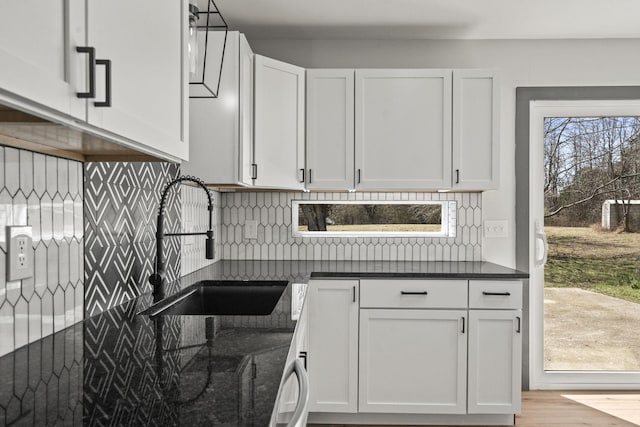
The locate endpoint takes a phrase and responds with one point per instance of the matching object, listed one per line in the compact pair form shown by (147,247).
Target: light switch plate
(19,252)
(496,228)
(251,229)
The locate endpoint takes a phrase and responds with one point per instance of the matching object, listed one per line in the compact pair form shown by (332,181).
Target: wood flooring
(577,409)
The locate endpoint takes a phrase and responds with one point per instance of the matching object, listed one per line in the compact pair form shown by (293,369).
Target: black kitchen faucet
(157,278)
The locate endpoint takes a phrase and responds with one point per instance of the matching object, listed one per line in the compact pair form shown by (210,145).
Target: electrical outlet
(19,252)
(251,229)
(496,228)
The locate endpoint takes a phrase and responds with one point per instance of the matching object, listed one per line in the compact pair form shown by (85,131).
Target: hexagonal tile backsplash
(44,192)
(272,210)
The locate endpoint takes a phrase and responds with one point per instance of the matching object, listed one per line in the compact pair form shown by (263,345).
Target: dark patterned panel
(121,204)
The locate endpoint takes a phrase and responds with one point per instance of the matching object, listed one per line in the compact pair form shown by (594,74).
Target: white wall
(520,63)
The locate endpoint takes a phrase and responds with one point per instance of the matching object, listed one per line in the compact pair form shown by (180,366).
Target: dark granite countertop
(123,368)
(301,271)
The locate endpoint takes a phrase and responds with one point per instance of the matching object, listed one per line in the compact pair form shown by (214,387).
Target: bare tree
(588,159)
(315,216)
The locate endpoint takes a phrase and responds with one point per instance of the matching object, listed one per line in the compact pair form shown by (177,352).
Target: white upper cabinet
(475,130)
(245,97)
(330,129)
(144,42)
(38,61)
(414,129)
(221,129)
(279,105)
(132,72)
(403,129)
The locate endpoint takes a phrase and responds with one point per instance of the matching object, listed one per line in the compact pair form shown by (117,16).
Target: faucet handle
(210,246)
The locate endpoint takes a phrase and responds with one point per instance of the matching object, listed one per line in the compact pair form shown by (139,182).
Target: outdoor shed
(613,213)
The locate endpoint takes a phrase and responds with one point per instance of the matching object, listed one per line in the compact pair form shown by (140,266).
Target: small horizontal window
(373,218)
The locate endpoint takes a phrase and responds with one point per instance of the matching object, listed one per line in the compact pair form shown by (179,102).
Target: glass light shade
(193,53)
(193,42)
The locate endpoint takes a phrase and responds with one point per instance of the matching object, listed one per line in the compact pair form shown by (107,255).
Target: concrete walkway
(589,331)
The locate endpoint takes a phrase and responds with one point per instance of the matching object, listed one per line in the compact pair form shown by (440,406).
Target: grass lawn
(599,261)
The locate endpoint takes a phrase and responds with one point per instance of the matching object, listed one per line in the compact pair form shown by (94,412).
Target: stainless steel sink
(222,297)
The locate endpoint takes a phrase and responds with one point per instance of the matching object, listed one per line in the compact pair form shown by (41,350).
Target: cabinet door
(495,361)
(279,124)
(413,361)
(333,345)
(38,60)
(403,129)
(221,129)
(330,136)
(145,41)
(475,130)
(245,98)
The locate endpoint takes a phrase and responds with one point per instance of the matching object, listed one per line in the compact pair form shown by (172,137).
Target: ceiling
(433,19)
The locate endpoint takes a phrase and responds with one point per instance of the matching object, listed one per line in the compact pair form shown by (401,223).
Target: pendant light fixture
(207,41)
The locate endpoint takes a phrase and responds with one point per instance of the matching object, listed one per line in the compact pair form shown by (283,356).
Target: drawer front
(505,294)
(409,293)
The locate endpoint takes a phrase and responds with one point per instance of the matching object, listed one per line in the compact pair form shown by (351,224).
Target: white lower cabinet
(495,346)
(413,361)
(333,345)
(495,350)
(415,351)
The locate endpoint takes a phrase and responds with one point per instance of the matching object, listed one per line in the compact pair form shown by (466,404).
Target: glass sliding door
(585,234)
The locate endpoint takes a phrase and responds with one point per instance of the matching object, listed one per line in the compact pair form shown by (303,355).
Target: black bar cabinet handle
(457,176)
(302,170)
(309,176)
(354,294)
(518,327)
(503,294)
(92,71)
(413,292)
(107,83)
(359,176)
(463,322)
(254,171)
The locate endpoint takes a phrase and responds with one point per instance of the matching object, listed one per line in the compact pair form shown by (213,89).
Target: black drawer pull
(501,294)
(413,292)
(303,355)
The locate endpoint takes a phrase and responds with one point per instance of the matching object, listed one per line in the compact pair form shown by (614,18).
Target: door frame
(539,378)
(523,97)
